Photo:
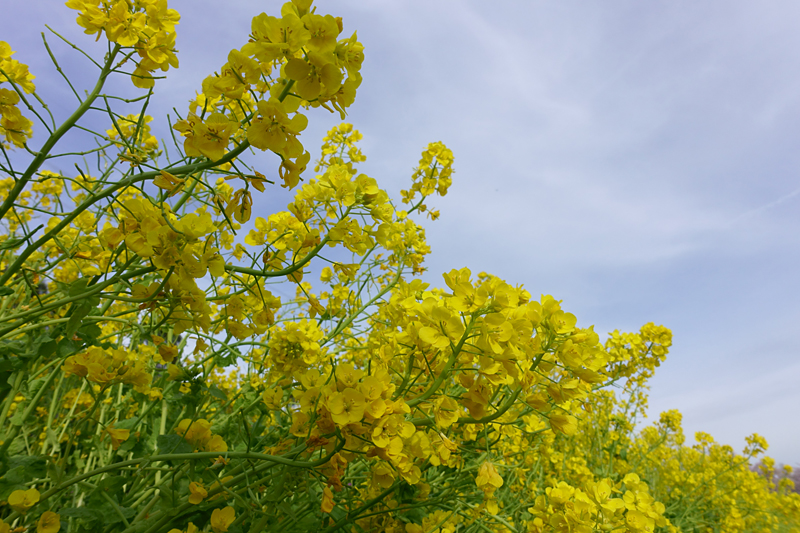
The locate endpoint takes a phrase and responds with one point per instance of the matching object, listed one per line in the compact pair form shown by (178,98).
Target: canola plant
(155,377)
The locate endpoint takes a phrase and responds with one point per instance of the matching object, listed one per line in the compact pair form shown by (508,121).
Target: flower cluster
(292,61)
(146,26)
(198,434)
(132,134)
(170,362)
(433,175)
(108,367)
(14,127)
(566,508)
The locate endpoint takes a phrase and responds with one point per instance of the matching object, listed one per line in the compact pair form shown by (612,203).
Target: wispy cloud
(765,207)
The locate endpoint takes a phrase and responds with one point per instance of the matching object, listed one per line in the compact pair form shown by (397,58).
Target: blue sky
(636,160)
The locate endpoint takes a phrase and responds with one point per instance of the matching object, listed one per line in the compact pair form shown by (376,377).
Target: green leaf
(89,332)
(217,393)
(54,470)
(37,345)
(78,287)
(21,470)
(128,446)
(170,498)
(221,423)
(128,423)
(35,385)
(66,347)
(112,486)
(47,349)
(172,443)
(79,312)
(6,291)
(338,513)
(34,466)
(82,513)
(8,348)
(17,445)
(19,415)
(224,359)
(110,515)
(7,488)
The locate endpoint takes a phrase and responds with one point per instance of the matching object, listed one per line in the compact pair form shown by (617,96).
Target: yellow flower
(191,528)
(488,479)
(434,337)
(446,412)
(216,444)
(168,352)
(240,206)
(196,432)
(208,137)
(194,225)
(323,30)
(169,182)
(347,407)
(273,396)
(174,372)
(118,436)
(198,493)
(49,522)
(274,130)
(22,500)
(638,521)
(327,500)
(566,424)
(274,37)
(348,375)
(383,475)
(221,519)
(316,77)
(154,394)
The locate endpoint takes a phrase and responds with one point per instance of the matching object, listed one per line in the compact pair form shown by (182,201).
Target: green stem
(283,272)
(93,199)
(236,480)
(352,516)
(56,136)
(11,435)
(188,457)
(352,317)
(10,398)
(27,315)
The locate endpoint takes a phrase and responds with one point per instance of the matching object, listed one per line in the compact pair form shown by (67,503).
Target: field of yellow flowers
(152,381)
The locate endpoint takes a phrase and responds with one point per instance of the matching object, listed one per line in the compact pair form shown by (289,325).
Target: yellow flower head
(22,500)
(563,423)
(221,519)
(118,436)
(198,493)
(347,407)
(49,522)
(327,500)
(488,479)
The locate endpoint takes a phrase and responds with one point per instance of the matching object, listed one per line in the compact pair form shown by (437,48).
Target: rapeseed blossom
(174,355)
